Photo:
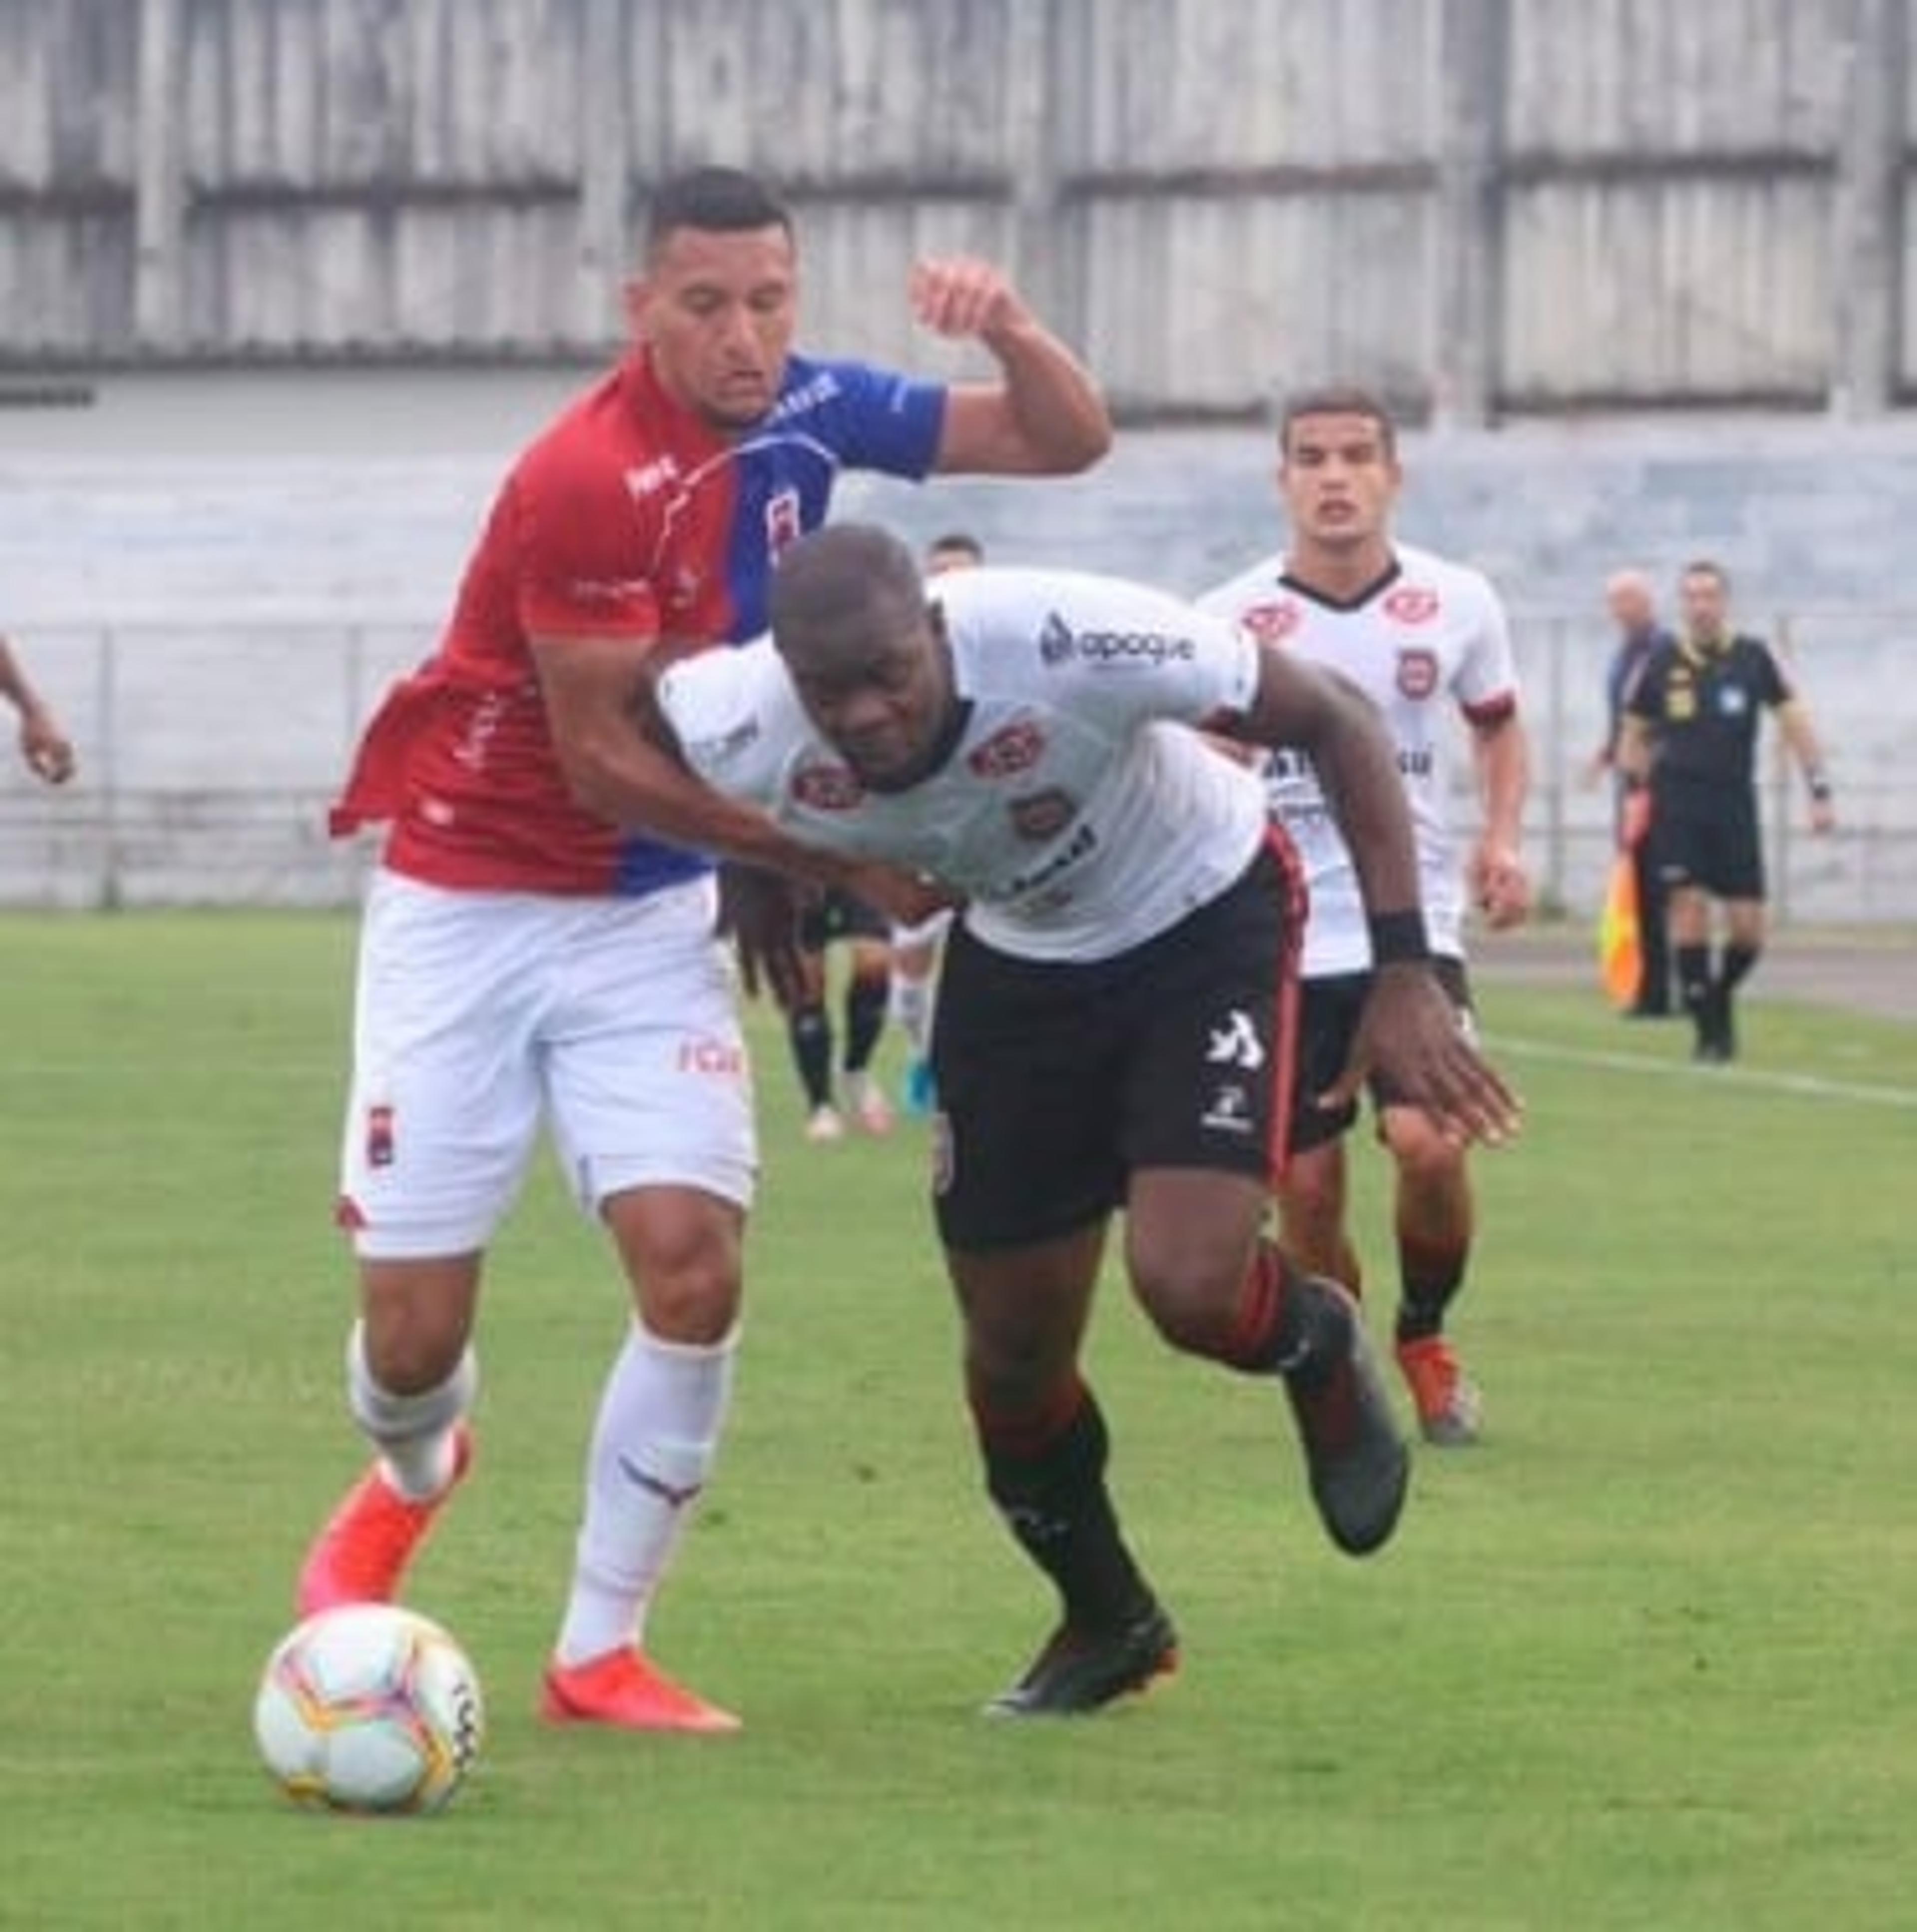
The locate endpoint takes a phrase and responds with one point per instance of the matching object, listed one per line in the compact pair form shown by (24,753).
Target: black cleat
(1358,1462)
(1078,1671)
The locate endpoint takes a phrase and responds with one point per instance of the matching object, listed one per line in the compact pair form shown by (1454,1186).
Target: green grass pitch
(1643,1660)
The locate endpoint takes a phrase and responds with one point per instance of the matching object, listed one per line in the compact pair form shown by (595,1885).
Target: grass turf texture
(1643,1659)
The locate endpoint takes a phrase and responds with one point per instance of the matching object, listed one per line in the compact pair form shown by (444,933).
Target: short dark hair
(1705,566)
(962,540)
(719,200)
(1337,399)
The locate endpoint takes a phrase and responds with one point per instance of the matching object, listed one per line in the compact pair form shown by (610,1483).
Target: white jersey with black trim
(1077,812)
(1428,638)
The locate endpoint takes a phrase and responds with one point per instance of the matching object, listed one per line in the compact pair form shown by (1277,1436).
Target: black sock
(1429,1275)
(810,1034)
(1046,1473)
(865,1000)
(1736,964)
(1693,972)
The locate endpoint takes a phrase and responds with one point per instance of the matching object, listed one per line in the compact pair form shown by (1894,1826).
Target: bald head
(1630,599)
(840,591)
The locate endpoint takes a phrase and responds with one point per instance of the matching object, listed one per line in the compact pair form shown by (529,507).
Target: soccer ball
(369,1708)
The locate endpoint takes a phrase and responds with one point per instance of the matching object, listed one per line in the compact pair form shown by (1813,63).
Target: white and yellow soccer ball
(369,1708)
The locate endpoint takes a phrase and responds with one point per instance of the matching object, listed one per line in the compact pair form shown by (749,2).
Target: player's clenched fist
(961,295)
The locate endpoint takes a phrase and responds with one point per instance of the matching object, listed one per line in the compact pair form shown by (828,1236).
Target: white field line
(1752,1079)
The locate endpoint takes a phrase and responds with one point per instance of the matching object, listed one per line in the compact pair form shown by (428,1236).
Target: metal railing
(208,752)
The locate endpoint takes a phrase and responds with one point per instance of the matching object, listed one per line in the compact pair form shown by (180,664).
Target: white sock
(912,1010)
(412,1434)
(653,1446)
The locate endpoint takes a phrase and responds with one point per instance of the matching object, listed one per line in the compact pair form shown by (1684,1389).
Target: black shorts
(838,915)
(1710,839)
(1328,1014)
(1057,1081)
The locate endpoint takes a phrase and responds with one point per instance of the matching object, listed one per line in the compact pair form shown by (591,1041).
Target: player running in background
(840,918)
(538,944)
(1424,638)
(1114,1023)
(915,948)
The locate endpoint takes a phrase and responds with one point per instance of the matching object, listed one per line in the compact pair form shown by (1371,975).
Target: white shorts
(481,1015)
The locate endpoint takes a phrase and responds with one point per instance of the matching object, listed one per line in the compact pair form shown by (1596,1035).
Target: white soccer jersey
(1428,636)
(1078,821)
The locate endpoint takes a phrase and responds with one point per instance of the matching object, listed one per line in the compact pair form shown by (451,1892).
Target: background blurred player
(1423,638)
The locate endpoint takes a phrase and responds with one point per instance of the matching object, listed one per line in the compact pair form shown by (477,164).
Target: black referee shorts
(1709,838)
(1057,1081)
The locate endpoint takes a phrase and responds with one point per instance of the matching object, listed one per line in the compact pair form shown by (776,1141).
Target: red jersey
(628,517)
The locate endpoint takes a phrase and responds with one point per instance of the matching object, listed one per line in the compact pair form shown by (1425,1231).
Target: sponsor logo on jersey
(1082,842)
(826,787)
(1415,761)
(1012,749)
(783,524)
(727,746)
(809,396)
(649,478)
(1273,623)
(475,742)
(1058,642)
(1410,603)
(1041,815)
(1418,673)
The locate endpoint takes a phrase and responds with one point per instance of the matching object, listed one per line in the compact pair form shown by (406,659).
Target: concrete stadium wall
(213,577)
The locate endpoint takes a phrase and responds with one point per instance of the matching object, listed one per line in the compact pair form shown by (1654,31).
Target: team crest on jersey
(1041,815)
(1418,673)
(1410,603)
(826,787)
(1273,623)
(1013,748)
(784,526)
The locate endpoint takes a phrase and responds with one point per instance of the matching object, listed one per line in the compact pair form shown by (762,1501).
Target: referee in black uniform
(1691,725)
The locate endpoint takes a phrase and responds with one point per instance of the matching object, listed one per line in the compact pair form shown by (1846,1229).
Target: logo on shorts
(725,1058)
(1012,749)
(944,1158)
(380,1136)
(1042,814)
(1412,603)
(1229,1110)
(826,787)
(1418,673)
(1236,1043)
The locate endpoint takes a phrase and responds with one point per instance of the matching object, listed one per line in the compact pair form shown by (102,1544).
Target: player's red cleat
(624,1688)
(1450,1411)
(362,1553)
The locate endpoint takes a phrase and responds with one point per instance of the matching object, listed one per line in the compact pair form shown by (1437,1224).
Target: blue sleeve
(878,419)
